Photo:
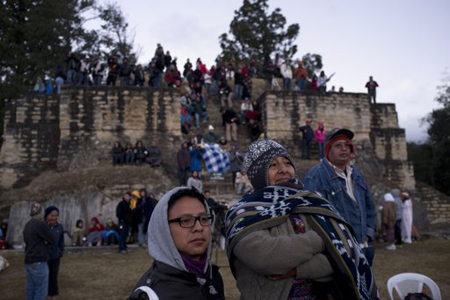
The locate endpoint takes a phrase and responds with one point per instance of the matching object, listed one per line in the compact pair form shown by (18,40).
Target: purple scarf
(195,266)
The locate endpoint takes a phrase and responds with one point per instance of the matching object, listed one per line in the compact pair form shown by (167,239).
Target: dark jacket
(183,159)
(73,63)
(37,235)
(308,132)
(124,213)
(56,250)
(125,70)
(229,116)
(149,206)
(138,212)
(170,283)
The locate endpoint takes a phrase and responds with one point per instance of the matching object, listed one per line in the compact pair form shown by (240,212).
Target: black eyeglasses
(189,221)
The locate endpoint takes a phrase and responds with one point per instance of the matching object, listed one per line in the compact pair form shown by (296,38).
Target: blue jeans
(320,147)
(208,88)
(306,149)
(124,229)
(37,280)
(141,236)
(124,81)
(71,74)
(183,176)
(238,91)
(159,80)
(129,158)
(199,117)
(301,84)
(59,83)
(98,79)
(215,87)
(287,83)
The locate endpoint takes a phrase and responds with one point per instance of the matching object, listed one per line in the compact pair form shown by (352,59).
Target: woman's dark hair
(78,223)
(139,144)
(143,190)
(192,192)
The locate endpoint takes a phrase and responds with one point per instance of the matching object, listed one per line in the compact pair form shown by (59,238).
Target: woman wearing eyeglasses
(284,242)
(180,243)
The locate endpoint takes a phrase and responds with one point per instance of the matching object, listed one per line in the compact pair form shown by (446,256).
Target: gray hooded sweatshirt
(162,248)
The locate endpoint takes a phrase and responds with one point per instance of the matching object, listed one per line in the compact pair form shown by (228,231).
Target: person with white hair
(388,219)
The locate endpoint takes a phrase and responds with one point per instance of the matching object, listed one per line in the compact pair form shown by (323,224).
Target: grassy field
(105,274)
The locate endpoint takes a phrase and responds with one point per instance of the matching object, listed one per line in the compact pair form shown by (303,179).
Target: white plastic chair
(406,283)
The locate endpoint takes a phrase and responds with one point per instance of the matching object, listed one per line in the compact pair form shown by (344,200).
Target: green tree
(432,158)
(112,36)
(312,63)
(36,36)
(255,33)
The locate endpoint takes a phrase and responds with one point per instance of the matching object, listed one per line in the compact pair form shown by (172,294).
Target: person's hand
(290,273)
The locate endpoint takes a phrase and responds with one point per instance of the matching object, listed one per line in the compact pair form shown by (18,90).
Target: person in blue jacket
(341,183)
(55,251)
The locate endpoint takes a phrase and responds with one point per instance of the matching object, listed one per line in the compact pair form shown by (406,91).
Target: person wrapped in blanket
(284,242)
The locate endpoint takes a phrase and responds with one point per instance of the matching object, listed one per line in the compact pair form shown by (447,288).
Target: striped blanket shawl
(270,206)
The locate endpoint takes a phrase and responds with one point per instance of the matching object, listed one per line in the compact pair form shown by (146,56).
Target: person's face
(280,170)
(207,195)
(127,197)
(340,153)
(195,174)
(193,241)
(52,218)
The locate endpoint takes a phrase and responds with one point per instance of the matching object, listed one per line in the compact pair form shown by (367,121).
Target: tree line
(431,159)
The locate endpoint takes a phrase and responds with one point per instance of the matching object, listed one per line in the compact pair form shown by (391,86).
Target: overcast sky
(403,44)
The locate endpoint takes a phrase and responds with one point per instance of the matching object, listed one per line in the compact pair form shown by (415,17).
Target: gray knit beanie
(258,158)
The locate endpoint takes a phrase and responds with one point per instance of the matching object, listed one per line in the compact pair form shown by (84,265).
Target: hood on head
(160,243)
(388,197)
(395,193)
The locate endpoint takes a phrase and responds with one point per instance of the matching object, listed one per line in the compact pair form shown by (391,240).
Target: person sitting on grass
(96,229)
(111,234)
(179,241)
(77,233)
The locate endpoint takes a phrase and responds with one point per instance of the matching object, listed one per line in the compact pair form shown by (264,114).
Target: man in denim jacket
(345,187)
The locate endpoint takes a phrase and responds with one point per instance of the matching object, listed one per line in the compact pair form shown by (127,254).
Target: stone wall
(373,125)
(31,138)
(79,128)
(436,203)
